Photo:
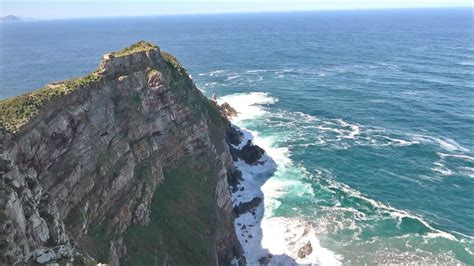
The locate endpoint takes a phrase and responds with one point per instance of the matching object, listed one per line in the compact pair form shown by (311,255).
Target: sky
(107,8)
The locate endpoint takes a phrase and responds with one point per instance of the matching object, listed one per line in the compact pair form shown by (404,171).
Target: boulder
(228,110)
(305,250)
(247,206)
(265,260)
(47,255)
(251,153)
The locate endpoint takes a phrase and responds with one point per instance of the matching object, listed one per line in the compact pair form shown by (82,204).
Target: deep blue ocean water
(374,108)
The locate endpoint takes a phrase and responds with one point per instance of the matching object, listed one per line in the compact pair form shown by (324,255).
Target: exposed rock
(234,136)
(251,153)
(264,260)
(49,255)
(233,178)
(305,250)
(228,110)
(234,153)
(117,250)
(88,163)
(247,206)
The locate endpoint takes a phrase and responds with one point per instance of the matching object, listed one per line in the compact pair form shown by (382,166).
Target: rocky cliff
(128,165)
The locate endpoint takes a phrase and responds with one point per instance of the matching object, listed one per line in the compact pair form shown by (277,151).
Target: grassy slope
(17,111)
(178,231)
(141,46)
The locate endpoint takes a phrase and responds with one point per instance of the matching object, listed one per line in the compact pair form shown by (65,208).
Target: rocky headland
(10,18)
(128,165)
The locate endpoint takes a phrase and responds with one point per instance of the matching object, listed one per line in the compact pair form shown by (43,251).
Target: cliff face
(127,165)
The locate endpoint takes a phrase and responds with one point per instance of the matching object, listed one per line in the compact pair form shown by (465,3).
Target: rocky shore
(265,240)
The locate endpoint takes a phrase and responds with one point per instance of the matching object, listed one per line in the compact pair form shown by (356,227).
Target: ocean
(367,117)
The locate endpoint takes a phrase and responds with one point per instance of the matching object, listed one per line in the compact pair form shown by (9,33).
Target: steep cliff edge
(128,165)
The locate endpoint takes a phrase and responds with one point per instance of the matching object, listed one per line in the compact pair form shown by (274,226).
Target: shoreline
(248,225)
(268,240)
(266,237)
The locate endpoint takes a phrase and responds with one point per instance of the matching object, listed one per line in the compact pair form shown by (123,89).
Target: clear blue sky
(106,8)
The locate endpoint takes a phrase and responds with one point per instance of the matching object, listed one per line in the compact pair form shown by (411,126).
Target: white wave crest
(395,213)
(233,76)
(445,143)
(248,105)
(459,156)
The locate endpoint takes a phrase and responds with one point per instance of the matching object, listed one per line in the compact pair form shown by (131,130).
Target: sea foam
(266,231)
(260,233)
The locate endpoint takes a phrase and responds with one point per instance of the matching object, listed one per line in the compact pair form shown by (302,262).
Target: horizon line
(32,19)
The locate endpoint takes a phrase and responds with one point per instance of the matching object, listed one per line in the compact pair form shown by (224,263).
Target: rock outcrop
(234,136)
(9,18)
(128,165)
(305,250)
(228,110)
(247,206)
(251,153)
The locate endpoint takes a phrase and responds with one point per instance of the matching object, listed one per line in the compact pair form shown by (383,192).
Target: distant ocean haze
(368,115)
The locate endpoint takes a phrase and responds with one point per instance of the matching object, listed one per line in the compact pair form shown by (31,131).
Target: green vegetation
(17,111)
(151,71)
(136,98)
(103,237)
(216,129)
(141,46)
(183,219)
(142,170)
(80,259)
(180,80)
(75,219)
(171,60)
(181,222)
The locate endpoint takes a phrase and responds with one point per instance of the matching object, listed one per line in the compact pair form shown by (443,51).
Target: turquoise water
(372,112)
